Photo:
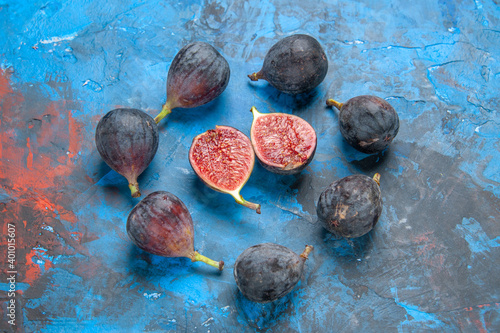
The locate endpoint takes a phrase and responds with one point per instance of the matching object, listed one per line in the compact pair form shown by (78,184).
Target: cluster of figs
(127,140)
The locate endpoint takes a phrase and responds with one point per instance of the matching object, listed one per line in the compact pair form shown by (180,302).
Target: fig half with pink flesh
(223,158)
(283,143)
(161,224)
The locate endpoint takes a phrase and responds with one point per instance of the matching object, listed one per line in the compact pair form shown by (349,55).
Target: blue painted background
(431,263)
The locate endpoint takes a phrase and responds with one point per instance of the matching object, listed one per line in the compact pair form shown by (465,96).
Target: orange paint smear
(8,98)
(423,238)
(32,269)
(43,204)
(29,160)
(37,170)
(48,170)
(480,306)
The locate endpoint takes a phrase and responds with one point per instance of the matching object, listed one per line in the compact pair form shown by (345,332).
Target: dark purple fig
(267,272)
(127,140)
(368,123)
(283,143)
(223,158)
(294,65)
(197,75)
(351,206)
(161,224)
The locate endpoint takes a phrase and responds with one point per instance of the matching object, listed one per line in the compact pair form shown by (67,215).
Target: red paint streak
(9,99)
(424,238)
(479,325)
(29,160)
(44,204)
(77,236)
(51,149)
(41,170)
(50,155)
(5,87)
(426,249)
(480,306)
(477,316)
(33,269)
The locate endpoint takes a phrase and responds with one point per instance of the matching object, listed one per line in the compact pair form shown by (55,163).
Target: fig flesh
(223,158)
(268,271)
(198,74)
(127,140)
(161,224)
(296,64)
(368,123)
(351,206)
(283,143)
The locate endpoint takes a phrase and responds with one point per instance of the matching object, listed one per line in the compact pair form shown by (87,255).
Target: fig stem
(134,189)
(199,257)
(255,76)
(306,252)
(165,110)
(239,199)
(376,178)
(332,102)
(255,112)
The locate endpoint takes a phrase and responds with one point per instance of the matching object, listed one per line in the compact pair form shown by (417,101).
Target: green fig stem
(376,178)
(306,252)
(255,112)
(134,189)
(198,257)
(255,76)
(331,102)
(239,199)
(166,110)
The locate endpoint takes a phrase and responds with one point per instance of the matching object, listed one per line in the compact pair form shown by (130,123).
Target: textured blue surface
(431,263)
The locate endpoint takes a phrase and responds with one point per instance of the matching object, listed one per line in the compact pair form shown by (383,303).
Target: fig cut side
(368,123)
(283,143)
(351,206)
(224,159)
(197,75)
(268,271)
(127,140)
(161,224)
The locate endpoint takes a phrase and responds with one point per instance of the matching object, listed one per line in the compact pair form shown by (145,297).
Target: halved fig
(296,64)
(351,206)
(368,123)
(198,74)
(127,140)
(283,143)
(223,158)
(161,224)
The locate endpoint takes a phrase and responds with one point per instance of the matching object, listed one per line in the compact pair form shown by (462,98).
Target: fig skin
(272,142)
(223,158)
(296,64)
(268,271)
(127,140)
(351,206)
(197,75)
(368,123)
(161,224)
